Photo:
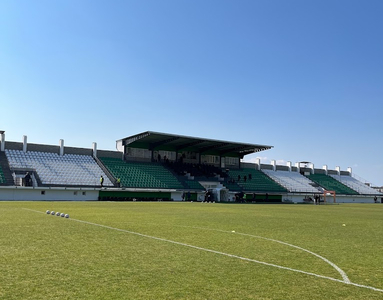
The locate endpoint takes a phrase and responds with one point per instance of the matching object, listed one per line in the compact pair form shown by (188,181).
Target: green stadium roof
(171,142)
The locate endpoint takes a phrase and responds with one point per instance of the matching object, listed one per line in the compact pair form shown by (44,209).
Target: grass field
(162,250)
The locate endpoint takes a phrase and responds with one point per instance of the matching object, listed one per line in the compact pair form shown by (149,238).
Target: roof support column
(258,164)
(312,169)
(337,168)
(94,145)
(274,164)
(2,137)
(325,169)
(298,167)
(124,153)
(61,144)
(24,143)
(349,170)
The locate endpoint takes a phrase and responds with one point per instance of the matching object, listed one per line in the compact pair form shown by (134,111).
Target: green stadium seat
(331,184)
(259,181)
(141,174)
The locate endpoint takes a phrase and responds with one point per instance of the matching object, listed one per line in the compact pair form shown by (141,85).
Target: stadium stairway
(106,171)
(232,186)
(190,184)
(5,171)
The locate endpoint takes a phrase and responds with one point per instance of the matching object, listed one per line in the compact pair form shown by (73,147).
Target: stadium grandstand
(153,166)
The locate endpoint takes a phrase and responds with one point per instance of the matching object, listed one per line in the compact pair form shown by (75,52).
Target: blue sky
(303,76)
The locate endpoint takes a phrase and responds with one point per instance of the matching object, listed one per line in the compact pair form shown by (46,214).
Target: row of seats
(331,184)
(69,169)
(73,169)
(293,181)
(2,177)
(197,170)
(232,186)
(142,174)
(194,185)
(255,181)
(355,184)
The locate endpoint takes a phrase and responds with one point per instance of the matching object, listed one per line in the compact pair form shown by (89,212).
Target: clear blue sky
(303,76)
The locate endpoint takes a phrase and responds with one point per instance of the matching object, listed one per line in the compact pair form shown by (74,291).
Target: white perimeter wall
(177,196)
(51,194)
(330,199)
(57,194)
(83,194)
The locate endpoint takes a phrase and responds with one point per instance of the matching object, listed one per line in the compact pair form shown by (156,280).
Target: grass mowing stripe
(340,271)
(222,253)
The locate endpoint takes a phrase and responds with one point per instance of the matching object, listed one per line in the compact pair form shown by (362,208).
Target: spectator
(101,181)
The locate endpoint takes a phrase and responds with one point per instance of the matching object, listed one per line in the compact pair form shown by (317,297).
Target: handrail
(106,171)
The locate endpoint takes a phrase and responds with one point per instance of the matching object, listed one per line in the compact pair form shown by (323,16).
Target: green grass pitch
(136,250)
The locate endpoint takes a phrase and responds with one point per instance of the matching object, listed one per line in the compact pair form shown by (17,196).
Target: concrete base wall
(47,194)
(299,198)
(91,194)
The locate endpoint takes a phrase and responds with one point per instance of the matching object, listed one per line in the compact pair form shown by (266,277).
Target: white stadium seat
(355,184)
(69,169)
(293,181)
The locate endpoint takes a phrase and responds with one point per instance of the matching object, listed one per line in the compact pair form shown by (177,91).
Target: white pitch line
(340,271)
(221,253)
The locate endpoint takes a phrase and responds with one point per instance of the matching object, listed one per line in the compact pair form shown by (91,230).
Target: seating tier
(53,169)
(293,181)
(256,181)
(142,174)
(195,185)
(2,177)
(355,184)
(331,184)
